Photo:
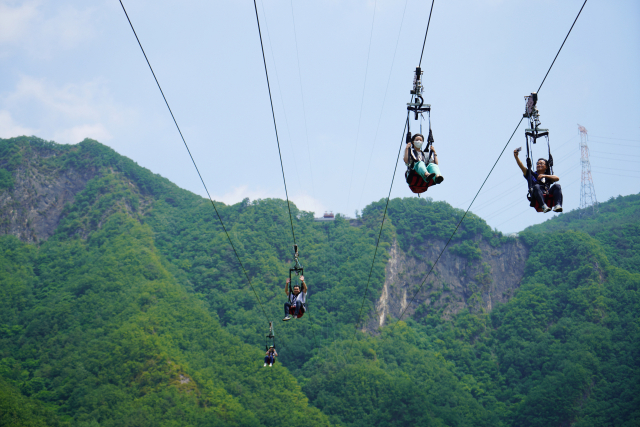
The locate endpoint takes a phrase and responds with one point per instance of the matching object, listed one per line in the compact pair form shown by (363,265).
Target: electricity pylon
(587,190)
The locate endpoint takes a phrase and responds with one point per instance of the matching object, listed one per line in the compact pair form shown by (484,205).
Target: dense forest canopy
(132,309)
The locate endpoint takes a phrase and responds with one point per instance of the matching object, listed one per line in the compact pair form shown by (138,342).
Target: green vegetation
(136,312)
(6,180)
(616,227)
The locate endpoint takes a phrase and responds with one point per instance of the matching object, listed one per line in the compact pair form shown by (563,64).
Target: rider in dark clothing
(542,183)
(270,357)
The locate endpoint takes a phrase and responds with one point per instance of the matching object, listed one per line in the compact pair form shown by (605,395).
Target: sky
(340,75)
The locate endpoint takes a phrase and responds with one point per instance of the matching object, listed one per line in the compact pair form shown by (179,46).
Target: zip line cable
(384,216)
(456,229)
(563,42)
(194,162)
(425,33)
(273,114)
(379,235)
(485,180)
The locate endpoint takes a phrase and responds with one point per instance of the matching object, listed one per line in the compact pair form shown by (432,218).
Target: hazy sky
(73,69)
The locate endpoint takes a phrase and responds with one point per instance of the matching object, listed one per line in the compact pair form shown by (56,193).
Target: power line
(275,126)
(284,110)
(618,139)
(364,86)
(613,174)
(620,145)
(304,112)
(613,154)
(384,100)
(193,161)
(485,180)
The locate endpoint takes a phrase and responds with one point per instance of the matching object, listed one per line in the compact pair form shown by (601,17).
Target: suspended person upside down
(425,165)
(296,300)
(270,357)
(544,185)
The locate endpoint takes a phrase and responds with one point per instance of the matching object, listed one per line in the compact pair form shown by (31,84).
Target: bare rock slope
(32,207)
(456,282)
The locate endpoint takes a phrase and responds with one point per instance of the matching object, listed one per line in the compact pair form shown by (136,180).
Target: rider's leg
(537,194)
(433,168)
(421,169)
(556,192)
(297,310)
(287,305)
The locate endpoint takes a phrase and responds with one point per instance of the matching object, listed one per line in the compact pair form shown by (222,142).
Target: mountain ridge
(134,308)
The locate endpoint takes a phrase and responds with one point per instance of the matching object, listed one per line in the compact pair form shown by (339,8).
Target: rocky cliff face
(32,209)
(455,283)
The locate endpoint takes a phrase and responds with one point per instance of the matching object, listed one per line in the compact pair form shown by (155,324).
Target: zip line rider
(425,165)
(270,357)
(296,299)
(543,183)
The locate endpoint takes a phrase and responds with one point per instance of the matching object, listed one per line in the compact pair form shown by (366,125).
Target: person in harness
(270,357)
(296,299)
(544,186)
(424,164)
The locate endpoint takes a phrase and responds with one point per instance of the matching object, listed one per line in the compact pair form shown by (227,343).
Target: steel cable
(194,162)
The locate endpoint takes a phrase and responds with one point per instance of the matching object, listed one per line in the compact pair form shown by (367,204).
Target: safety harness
(416,183)
(531,135)
(298,270)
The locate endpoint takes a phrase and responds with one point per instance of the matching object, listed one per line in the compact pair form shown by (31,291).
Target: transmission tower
(587,190)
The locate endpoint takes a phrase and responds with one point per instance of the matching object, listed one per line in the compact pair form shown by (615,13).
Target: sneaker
(545,208)
(265,365)
(270,364)
(557,208)
(286,318)
(439,179)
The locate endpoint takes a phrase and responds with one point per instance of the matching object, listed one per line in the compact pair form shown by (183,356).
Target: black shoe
(439,179)
(429,177)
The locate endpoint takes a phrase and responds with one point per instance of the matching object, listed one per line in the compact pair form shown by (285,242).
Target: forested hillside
(122,303)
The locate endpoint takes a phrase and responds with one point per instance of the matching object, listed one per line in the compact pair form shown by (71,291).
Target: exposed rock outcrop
(456,282)
(32,209)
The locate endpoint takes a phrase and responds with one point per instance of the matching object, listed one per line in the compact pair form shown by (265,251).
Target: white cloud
(67,113)
(302,201)
(42,28)
(9,128)
(15,22)
(79,133)
(72,101)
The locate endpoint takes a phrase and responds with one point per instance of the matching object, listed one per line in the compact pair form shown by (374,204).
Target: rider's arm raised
(520,165)
(406,154)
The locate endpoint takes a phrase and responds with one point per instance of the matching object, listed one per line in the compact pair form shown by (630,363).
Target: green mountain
(122,303)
